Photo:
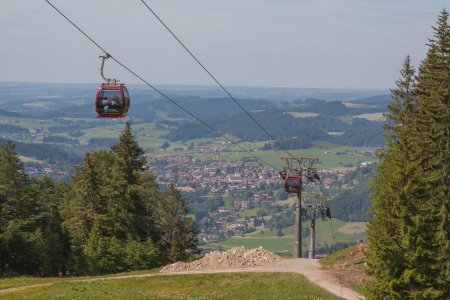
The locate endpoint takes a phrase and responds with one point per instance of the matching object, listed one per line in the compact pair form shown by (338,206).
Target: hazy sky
(292,43)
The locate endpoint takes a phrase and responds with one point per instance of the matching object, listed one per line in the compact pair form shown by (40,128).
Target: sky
(340,44)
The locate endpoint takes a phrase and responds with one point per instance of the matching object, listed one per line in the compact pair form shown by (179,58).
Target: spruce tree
(386,254)
(409,235)
(85,206)
(148,191)
(116,197)
(16,208)
(140,184)
(427,234)
(51,243)
(15,203)
(31,237)
(178,232)
(129,150)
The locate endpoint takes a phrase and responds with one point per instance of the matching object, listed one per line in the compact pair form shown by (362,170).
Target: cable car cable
(214,78)
(158,91)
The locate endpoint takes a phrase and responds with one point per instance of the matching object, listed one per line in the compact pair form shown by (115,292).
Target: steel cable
(158,91)
(214,78)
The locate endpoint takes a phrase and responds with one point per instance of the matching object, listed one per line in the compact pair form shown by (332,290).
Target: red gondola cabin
(293,184)
(112,101)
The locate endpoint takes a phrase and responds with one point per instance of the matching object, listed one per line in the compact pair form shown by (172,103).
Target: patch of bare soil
(351,268)
(353,227)
(234,258)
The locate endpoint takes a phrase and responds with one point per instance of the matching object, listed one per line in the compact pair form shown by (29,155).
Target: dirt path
(311,269)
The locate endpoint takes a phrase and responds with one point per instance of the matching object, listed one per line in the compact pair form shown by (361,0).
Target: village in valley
(249,192)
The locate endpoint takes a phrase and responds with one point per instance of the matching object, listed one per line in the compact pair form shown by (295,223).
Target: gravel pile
(234,258)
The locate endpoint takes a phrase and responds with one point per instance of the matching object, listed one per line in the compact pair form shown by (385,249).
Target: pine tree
(14,201)
(178,232)
(386,254)
(51,243)
(427,234)
(129,150)
(141,185)
(148,192)
(84,207)
(31,236)
(16,208)
(117,199)
(409,235)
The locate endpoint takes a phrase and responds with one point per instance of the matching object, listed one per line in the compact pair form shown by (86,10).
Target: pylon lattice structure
(315,204)
(299,168)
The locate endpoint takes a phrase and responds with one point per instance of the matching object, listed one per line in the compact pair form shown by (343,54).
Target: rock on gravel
(235,258)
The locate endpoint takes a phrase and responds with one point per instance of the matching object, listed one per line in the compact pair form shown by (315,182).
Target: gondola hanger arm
(105,56)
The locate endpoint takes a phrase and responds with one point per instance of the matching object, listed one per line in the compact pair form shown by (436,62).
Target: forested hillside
(111,217)
(352,203)
(284,126)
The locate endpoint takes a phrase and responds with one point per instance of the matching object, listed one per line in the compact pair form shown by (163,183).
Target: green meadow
(329,158)
(283,244)
(200,286)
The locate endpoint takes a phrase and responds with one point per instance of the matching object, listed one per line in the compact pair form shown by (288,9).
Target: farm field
(303,114)
(372,117)
(283,244)
(330,158)
(201,286)
(152,138)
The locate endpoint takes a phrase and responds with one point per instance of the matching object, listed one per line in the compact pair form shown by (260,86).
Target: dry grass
(335,133)
(303,114)
(371,117)
(349,267)
(353,227)
(357,105)
(37,104)
(30,159)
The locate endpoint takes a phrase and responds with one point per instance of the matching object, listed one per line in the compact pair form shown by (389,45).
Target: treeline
(200,206)
(334,108)
(46,152)
(9,113)
(111,217)
(6,128)
(409,236)
(60,140)
(101,142)
(147,107)
(293,133)
(207,107)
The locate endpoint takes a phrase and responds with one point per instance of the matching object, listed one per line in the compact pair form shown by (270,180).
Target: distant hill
(286,128)
(386,98)
(8,113)
(46,152)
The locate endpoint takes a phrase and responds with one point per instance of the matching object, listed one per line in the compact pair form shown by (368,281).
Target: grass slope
(19,281)
(201,286)
(283,244)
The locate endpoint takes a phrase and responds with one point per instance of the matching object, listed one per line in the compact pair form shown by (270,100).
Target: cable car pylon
(314,204)
(296,168)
